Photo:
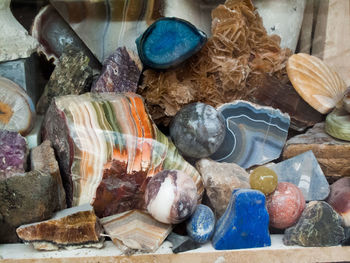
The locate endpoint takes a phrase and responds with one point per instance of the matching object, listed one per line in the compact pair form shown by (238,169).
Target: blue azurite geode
(168,42)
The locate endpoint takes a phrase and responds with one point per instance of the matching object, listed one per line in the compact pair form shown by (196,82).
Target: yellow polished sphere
(263,179)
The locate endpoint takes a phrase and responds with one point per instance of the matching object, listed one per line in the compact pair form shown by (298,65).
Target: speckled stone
(263,179)
(200,227)
(197,130)
(171,196)
(285,205)
(319,226)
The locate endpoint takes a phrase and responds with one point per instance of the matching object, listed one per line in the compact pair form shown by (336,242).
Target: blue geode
(168,42)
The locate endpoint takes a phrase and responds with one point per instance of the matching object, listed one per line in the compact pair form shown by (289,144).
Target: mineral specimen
(227,68)
(263,179)
(182,243)
(25,198)
(197,130)
(254,134)
(34,137)
(120,73)
(318,226)
(75,227)
(171,196)
(333,155)
(136,230)
(220,179)
(72,75)
(13,154)
(339,198)
(42,158)
(285,205)
(304,171)
(338,124)
(16,108)
(108,149)
(318,84)
(200,227)
(168,42)
(245,223)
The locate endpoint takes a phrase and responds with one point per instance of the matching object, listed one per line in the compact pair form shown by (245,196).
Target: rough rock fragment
(74,227)
(181,243)
(220,179)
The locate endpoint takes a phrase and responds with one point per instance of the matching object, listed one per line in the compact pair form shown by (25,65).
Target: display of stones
(339,198)
(25,198)
(318,226)
(285,205)
(255,134)
(338,124)
(17,111)
(171,196)
(200,227)
(13,154)
(197,130)
(245,223)
(136,230)
(318,84)
(220,179)
(304,171)
(74,227)
(168,42)
(108,149)
(120,73)
(182,243)
(333,155)
(263,179)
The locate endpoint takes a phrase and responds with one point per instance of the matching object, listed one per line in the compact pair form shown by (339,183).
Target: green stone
(338,124)
(263,179)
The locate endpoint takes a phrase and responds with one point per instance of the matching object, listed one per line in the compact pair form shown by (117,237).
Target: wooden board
(19,253)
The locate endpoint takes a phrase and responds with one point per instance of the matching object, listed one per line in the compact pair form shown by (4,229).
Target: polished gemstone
(263,179)
(338,124)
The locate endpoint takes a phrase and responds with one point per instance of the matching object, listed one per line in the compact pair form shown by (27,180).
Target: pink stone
(285,205)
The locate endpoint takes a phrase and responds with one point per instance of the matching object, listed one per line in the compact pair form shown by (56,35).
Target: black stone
(182,243)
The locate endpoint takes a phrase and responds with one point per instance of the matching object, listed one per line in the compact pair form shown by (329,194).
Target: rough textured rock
(25,198)
(333,155)
(13,153)
(42,158)
(318,226)
(245,223)
(75,227)
(220,179)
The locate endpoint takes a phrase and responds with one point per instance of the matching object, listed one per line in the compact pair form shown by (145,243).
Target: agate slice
(254,134)
(108,149)
(168,42)
(136,230)
(318,84)
(16,108)
(338,124)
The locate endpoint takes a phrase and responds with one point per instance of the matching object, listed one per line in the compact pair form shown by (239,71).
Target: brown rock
(333,155)
(74,227)
(220,179)
(43,159)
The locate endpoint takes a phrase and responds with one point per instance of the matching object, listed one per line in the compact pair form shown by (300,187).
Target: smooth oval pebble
(200,227)
(285,205)
(171,196)
(263,179)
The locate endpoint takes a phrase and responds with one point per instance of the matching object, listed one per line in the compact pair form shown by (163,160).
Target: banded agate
(108,148)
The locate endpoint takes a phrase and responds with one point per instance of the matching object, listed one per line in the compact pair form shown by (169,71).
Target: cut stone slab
(135,230)
(304,171)
(42,158)
(220,179)
(318,226)
(255,134)
(332,154)
(182,243)
(71,228)
(25,198)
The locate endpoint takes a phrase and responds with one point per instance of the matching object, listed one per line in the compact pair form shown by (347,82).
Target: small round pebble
(171,196)
(285,205)
(263,179)
(198,130)
(200,227)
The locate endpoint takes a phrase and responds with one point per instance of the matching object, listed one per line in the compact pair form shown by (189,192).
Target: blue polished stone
(245,222)
(200,227)
(168,42)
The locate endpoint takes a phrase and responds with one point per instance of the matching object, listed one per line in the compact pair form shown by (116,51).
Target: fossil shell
(318,84)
